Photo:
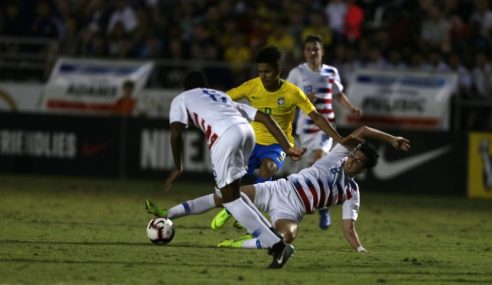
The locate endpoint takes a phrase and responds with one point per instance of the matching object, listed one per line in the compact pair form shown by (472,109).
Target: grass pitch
(59,230)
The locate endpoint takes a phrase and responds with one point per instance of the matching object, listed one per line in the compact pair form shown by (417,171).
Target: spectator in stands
(46,24)
(353,21)
(435,30)
(126,104)
(482,76)
(95,16)
(335,12)
(317,26)
(125,14)
(11,22)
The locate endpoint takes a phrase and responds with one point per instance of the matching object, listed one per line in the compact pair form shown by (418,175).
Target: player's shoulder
(329,69)
(291,88)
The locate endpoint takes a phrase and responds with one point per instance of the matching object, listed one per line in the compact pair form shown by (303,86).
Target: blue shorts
(260,152)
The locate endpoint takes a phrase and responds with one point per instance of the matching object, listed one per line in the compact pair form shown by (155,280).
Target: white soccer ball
(160,231)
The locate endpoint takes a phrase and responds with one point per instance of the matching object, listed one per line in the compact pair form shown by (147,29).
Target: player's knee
(268,169)
(289,236)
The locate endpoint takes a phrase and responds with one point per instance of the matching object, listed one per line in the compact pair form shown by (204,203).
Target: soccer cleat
(154,210)
(281,253)
(231,243)
(324,218)
(220,219)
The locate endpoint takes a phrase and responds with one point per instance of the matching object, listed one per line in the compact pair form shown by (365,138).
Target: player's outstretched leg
(324,218)
(154,210)
(220,219)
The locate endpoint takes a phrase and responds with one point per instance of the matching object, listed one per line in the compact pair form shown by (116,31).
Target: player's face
(355,163)
(269,76)
(313,53)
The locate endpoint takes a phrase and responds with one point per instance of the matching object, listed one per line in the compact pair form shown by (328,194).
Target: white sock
(255,225)
(253,207)
(252,243)
(192,207)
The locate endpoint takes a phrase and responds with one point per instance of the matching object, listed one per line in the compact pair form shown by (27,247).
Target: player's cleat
(231,243)
(220,219)
(324,218)
(281,253)
(154,210)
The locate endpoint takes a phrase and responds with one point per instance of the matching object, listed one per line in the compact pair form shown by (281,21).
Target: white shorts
(279,199)
(318,140)
(230,154)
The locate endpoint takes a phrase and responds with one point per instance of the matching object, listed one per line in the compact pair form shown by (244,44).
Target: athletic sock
(192,207)
(252,243)
(255,225)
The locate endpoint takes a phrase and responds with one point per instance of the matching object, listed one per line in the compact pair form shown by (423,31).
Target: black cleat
(281,253)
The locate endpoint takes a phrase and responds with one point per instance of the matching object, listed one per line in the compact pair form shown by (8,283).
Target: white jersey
(324,84)
(325,184)
(210,110)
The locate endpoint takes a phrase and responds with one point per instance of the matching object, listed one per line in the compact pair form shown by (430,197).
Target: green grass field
(59,230)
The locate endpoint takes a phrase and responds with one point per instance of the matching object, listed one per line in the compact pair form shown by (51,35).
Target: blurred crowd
(424,35)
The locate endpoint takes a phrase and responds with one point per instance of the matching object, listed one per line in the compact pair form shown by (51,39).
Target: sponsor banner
(149,151)
(23,97)
(480,165)
(137,147)
(60,145)
(397,100)
(90,85)
(435,164)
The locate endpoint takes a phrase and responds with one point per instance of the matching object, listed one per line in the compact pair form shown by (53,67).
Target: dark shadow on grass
(91,243)
(113,262)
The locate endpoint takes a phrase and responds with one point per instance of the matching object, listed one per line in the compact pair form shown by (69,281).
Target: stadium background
(222,37)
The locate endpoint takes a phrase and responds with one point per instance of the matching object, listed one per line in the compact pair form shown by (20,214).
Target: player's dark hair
(128,84)
(195,79)
(270,55)
(313,39)
(370,153)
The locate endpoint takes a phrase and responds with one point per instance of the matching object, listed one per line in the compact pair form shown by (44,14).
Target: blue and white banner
(90,84)
(409,100)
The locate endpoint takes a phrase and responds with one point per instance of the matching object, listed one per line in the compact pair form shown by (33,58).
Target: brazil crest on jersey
(281,104)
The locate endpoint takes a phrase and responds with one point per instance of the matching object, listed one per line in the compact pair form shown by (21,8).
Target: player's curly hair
(270,55)
(370,153)
(195,79)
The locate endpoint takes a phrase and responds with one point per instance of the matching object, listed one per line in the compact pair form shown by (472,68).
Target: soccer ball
(160,231)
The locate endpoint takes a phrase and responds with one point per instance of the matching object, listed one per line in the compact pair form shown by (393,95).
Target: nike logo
(280,260)
(385,170)
(91,149)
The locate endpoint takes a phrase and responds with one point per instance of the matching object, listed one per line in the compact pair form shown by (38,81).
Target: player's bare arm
(345,102)
(294,152)
(400,143)
(351,236)
(177,150)
(327,127)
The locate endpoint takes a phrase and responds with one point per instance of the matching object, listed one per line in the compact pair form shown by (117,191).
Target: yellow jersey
(281,104)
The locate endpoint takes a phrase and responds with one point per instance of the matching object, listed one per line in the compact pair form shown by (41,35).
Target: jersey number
(214,95)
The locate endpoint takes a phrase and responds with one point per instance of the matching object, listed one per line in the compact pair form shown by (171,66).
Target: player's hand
(296,153)
(175,173)
(311,96)
(401,143)
(351,141)
(356,112)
